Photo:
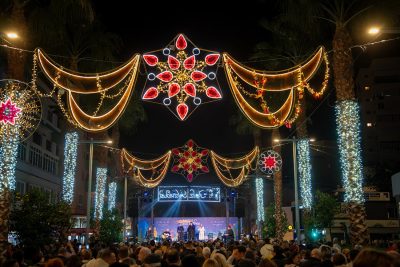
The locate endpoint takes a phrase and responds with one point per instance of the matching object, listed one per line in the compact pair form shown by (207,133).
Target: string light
(304,167)
(223,165)
(260,199)
(348,129)
(293,80)
(157,167)
(183,80)
(20,113)
(270,162)
(112,191)
(83,83)
(101,179)
(70,152)
(9,140)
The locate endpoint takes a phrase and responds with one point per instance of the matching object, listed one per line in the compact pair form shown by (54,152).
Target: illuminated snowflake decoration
(9,112)
(190,160)
(270,162)
(181,76)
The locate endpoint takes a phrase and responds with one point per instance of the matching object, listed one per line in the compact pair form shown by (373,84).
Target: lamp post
(91,142)
(294,141)
(6,36)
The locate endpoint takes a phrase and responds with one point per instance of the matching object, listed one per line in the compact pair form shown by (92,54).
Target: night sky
(225,27)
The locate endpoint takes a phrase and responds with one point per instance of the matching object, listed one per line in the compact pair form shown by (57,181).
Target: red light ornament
(270,162)
(9,112)
(183,75)
(190,160)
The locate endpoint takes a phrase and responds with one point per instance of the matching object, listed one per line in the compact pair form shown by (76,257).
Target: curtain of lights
(304,167)
(112,191)
(260,199)
(101,179)
(70,152)
(348,129)
(9,140)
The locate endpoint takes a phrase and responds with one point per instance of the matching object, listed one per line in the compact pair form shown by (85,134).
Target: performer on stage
(180,230)
(191,230)
(149,234)
(230,236)
(166,236)
(202,232)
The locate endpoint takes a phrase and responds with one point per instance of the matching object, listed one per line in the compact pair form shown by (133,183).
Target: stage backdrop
(213,225)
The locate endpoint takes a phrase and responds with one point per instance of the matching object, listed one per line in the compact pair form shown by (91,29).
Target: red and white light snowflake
(270,162)
(9,112)
(190,160)
(181,76)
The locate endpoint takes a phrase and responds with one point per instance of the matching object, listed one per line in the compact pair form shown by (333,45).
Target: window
(20,187)
(48,145)
(37,138)
(21,153)
(35,157)
(49,164)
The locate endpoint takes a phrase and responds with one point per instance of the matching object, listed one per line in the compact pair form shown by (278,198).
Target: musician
(230,236)
(149,234)
(180,230)
(166,235)
(191,230)
(202,232)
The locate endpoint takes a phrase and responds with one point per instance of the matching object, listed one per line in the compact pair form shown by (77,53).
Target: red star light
(269,162)
(190,160)
(9,112)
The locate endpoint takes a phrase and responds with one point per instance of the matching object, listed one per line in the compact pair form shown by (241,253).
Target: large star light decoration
(270,162)
(9,112)
(181,77)
(190,160)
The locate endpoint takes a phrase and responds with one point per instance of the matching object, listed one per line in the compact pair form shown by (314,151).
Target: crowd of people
(246,253)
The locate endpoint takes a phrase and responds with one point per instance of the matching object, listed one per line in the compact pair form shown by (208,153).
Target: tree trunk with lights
(344,84)
(15,70)
(278,192)
(257,136)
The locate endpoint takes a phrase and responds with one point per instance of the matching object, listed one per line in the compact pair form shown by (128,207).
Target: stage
(214,226)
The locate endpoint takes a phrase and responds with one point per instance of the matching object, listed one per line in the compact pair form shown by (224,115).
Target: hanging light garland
(70,153)
(101,179)
(224,167)
(136,167)
(181,77)
(69,83)
(304,167)
(20,113)
(348,130)
(260,199)
(112,192)
(293,81)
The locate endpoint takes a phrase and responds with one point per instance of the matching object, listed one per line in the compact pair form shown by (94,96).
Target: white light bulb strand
(260,199)
(101,178)
(112,191)
(70,153)
(304,167)
(9,141)
(348,130)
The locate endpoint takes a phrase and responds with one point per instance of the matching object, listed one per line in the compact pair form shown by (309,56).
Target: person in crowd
(153,260)
(190,261)
(172,257)
(246,263)
(293,260)
(206,252)
(237,254)
(143,253)
(221,259)
(373,258)
(14,263)
(326,256)
(314,260)
(267,250)
(123,255)
(56,262)
(210,263)
(339,260)
(267,263)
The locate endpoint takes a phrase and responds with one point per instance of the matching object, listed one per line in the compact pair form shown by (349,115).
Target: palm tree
(341,14)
